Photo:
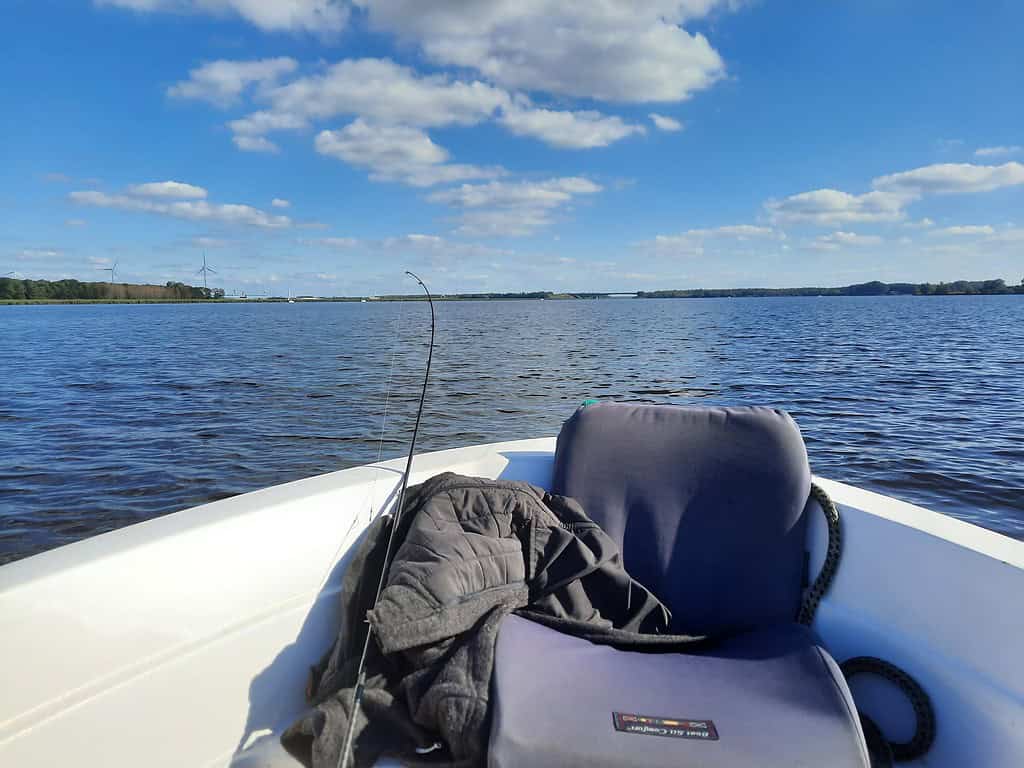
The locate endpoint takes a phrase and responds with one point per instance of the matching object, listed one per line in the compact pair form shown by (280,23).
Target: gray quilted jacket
(472,551)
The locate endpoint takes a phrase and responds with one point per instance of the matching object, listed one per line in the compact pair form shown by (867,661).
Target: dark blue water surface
(114,414)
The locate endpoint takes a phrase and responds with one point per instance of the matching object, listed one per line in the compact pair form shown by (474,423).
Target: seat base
(768,698)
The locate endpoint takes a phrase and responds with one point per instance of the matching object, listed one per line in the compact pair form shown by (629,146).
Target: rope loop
(819,588)
(924,731)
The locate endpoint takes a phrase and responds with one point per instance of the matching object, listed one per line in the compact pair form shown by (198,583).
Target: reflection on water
(114,414)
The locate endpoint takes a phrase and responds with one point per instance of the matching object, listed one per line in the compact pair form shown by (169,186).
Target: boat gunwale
(80,553)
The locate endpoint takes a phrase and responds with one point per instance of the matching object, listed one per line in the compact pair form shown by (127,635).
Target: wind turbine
(111,270)
(204,269)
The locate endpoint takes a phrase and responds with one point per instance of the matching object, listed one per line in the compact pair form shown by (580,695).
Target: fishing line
(396,335)
(357,692)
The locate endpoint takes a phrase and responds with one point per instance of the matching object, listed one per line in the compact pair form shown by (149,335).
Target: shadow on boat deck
(532,466)
(277,693)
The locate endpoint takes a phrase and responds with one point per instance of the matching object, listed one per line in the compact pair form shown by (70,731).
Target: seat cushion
(769,698)
(706,505)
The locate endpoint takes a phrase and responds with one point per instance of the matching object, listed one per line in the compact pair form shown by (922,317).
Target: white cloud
(360,143)
(629,52)
(853,238)
(384,92)
(567,130)
(32,254)
(663,123)
(222,82)
(321,16)
(998,151)
(920,223)
(75,222)
(693,242)
(380,93)
(168,189)
(950,178)
(839,239)
(504,222)
(341,243)
(963,229)
(892,193)
(192,210)
(541,194)
(675,245)
(819,245)
(740,231)
(255,144)
(416,239)
(1009,235)
(278,202)
(831,206)
(210,242)
(436,247)
(512,209)
(397,153)
(259,123)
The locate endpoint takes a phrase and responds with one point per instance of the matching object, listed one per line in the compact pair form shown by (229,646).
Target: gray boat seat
(773,697)
(707,506)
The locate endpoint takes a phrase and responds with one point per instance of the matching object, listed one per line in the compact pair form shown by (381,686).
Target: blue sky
(324,146)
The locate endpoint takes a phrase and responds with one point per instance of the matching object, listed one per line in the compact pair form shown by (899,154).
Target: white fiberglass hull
(186,640)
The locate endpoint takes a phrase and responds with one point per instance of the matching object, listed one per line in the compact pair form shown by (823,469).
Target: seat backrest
(707,505)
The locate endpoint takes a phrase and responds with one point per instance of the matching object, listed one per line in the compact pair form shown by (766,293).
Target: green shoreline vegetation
(874,288)
(14,291)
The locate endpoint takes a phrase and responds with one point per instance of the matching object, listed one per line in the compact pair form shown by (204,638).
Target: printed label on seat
(674,727)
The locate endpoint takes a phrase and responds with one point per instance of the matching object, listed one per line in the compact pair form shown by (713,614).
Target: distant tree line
(71,290)
(874,288)
(74,290)
(464,296)
(487,296)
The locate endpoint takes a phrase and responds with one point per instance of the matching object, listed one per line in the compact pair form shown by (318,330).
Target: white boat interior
(186,640)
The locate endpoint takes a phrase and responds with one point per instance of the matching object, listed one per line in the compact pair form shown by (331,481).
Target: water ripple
(115,414)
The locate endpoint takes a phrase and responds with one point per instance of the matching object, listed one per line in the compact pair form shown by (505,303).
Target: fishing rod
(357,692)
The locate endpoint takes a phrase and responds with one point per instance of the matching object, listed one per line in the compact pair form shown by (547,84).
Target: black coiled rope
(821,585)
(924,731)
(883,752)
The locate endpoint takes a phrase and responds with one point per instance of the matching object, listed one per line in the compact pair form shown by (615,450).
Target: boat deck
(187,638)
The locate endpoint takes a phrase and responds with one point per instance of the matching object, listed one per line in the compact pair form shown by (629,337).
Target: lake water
(114,414)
